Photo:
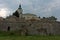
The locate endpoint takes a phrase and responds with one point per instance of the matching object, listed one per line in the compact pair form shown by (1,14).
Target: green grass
(14,36)
(29,37)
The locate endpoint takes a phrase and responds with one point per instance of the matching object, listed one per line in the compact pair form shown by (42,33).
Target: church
(26,16)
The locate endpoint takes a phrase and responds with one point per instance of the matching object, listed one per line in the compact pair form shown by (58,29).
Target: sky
(43,8)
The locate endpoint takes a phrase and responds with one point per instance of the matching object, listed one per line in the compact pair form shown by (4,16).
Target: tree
(16,14)
(39,16)
(43,17)
(52,18)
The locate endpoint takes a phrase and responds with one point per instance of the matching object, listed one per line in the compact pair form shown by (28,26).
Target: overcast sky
(39,7)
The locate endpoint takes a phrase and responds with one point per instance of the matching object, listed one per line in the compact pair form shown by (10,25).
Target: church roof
(29,14)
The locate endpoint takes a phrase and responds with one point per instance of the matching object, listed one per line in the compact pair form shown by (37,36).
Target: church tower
(19,10)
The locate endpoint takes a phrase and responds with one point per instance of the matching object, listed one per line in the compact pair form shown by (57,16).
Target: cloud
(46,8)
(4,12)
(54,5)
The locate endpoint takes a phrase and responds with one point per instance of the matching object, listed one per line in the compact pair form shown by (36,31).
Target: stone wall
(32,28)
